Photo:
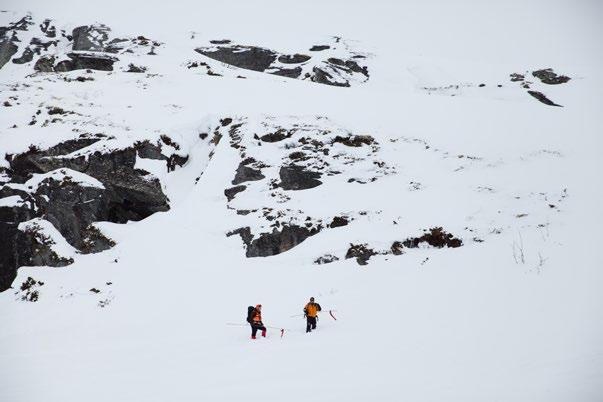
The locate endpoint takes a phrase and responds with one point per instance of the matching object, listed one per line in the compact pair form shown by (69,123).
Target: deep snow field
(514,314)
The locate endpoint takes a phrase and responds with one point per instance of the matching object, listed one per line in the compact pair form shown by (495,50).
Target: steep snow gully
(438,196)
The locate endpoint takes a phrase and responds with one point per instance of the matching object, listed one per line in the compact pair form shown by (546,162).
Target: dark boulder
(354,140)
(277,136)
(25,57)
(279,241)
(245,173)
(287,72)
(319,48)
(542,98)
(516,77)
(296,177)
(89,38)
(135,69)
(7,50)
(94,241)
(85,61)
(361,253)
(294,59)
(322,77)
(548,76)
(45,64)
(338,221)
(231,192)
(247,57)
(435,237)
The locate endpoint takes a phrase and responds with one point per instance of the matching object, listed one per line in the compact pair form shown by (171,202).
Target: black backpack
(250,313)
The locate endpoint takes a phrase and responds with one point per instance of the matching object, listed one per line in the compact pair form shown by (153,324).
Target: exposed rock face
(277,136)
(88,47)
(7,50)
(26,57)
(245,173)
(338,221)
(279,241)
(548,76)
(295,177)
(247,57)
(542,98)
(231,192)
(294,59)
(81,61)
(435,237)
(45,64)
(354,140)
(318,68)
(361,253)
(122,194)
(9,38)
(90,38)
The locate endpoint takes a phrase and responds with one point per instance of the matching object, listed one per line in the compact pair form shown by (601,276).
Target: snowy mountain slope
(512,314)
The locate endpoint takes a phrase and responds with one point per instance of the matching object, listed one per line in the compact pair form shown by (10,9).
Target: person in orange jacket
(255,320)
(311,313)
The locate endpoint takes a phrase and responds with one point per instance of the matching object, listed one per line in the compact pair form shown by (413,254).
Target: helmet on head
(311,299)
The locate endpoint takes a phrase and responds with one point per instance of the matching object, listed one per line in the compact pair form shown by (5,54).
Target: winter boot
(252,336)
(264,333)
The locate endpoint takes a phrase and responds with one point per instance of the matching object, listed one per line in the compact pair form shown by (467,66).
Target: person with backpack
(311,313)
(254,318)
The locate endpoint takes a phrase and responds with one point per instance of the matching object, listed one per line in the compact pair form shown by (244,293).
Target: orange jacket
(257,316)
(312,309)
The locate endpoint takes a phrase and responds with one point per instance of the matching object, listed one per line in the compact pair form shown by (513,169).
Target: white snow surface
(515,314)
(60,175)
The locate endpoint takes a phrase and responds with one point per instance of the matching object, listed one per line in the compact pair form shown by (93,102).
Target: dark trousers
(311,323)
(255,327)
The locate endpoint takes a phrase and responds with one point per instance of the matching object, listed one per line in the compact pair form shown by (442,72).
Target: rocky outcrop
(295,177)
(71,193)
(9,38)
(543,98)
(83,61)
(276,242)
(231,192)
(435,237)
(246,173)
(7,50)
(339,221)
(354,140)
(89,47)
(361,252)
(247,57)
(548,76)
(318,68)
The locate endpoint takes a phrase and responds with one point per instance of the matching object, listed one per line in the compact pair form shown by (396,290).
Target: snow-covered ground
(515,314)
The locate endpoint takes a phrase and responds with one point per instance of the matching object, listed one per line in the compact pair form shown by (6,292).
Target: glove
(305,315)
